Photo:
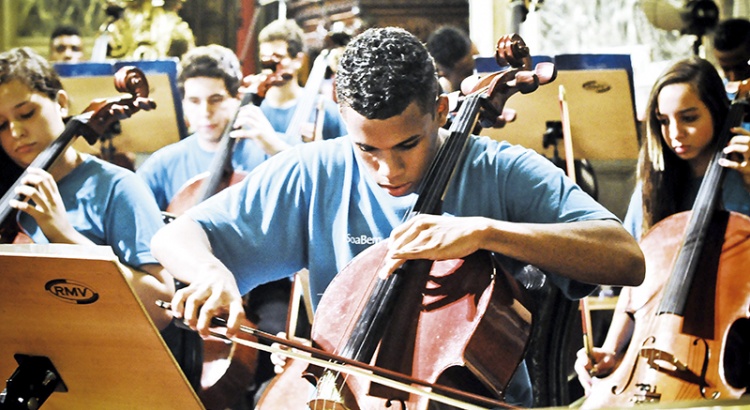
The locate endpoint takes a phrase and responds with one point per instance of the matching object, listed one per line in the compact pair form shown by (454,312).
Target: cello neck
(221,163)
(306,103)
(436,181)
(685,267)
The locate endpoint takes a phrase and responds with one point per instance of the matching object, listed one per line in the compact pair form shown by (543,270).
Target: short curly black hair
(384,70)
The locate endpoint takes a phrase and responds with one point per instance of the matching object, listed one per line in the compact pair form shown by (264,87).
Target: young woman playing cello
(686,112)
(79,199)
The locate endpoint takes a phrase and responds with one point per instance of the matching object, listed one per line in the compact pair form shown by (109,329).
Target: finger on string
(389,266)
(727,163)
(28,192)
(32,179)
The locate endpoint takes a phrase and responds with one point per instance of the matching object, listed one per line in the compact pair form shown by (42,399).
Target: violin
(474,294)
(690,335)
(91,124)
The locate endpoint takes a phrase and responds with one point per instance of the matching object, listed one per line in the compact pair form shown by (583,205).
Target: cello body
(453,337)
(692,357)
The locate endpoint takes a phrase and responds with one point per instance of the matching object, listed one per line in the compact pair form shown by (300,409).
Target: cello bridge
(661,360)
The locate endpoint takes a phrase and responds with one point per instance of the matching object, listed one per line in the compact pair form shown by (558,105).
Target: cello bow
(570,168)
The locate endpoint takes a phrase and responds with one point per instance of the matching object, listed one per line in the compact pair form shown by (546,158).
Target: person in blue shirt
(209,80)
(281,45)
(80,199)
(686,111)
(319,205)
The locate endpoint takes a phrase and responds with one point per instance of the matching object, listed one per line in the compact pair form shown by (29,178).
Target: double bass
(91,125)
(458,320)
(690,340)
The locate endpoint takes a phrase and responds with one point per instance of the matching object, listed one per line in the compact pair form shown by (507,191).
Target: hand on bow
(215,294)
(586,370)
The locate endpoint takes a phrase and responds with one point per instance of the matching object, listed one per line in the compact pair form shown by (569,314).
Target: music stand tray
(72,304)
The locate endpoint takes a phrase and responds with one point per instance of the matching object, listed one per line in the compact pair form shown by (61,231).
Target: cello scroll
(495,89)
(100,114)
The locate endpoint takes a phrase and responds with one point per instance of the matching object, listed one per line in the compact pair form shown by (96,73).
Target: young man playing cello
(320,205)
(209,80)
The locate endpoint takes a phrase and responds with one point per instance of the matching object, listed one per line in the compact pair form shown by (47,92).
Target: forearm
(184,250)
(599,252)
(620,328)
(272,143)
(152,283)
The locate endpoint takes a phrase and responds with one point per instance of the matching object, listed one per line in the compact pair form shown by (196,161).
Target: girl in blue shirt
(80,199)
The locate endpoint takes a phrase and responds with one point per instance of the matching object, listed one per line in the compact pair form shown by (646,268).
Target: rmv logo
(71,291)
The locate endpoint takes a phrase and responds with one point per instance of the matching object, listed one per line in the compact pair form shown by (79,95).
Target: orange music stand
(72,305)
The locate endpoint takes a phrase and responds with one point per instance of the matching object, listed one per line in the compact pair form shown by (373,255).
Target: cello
(693,326)
(473,294)
(91,124)
(220,173)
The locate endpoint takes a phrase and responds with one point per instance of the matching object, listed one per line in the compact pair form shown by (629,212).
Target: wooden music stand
(72,305)
(602,117)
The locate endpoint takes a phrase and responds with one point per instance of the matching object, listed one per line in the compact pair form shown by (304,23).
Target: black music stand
(75,336)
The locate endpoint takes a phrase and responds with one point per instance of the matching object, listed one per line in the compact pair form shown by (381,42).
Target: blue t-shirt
(168,169)
(734,197)
(110,206)
(318,208)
